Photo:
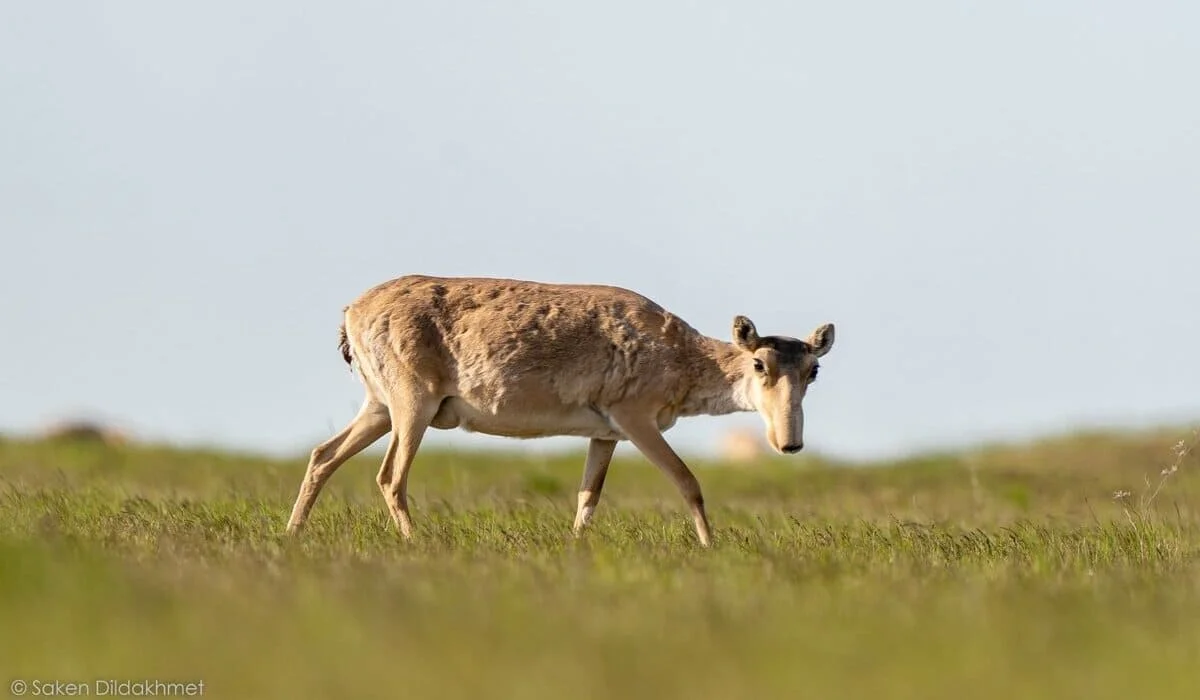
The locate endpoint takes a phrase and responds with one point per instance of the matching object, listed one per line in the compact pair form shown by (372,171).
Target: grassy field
(1002,572)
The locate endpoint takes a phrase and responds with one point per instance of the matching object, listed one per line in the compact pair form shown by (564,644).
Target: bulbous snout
(783,416)
(785,431)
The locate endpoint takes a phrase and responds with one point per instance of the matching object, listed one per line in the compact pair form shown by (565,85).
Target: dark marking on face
(790,350)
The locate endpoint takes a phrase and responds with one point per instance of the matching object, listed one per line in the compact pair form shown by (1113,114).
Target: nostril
(793,448)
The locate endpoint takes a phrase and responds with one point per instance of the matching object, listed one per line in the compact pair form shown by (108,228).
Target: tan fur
(528,359)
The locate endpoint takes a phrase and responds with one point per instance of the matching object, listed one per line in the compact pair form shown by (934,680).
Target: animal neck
(720,386)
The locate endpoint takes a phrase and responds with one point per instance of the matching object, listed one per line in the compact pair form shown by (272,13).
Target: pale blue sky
(998,204)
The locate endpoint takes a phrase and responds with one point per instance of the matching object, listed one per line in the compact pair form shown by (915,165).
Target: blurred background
(996,204)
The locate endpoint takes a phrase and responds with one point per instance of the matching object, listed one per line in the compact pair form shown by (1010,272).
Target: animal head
(776,376)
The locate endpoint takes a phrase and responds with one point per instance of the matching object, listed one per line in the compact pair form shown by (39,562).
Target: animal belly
(566,421)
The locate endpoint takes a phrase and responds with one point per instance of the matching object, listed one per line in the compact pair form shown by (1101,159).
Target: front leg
(599,456)
(642,430)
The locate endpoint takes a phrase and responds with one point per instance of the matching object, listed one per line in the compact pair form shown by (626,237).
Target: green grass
(1002,572)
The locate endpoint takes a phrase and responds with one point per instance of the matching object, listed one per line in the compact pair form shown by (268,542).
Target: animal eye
(813,377)
(759,366)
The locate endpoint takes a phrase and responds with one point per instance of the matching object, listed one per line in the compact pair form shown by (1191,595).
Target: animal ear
(821,339)
(745,335)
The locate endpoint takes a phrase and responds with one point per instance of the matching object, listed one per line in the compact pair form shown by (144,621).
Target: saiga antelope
(528,359)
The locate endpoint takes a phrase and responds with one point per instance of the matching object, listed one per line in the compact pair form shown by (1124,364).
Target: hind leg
(368,426)
(411,415)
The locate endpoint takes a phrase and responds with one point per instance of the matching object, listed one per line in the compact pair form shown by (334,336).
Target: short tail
(344,345)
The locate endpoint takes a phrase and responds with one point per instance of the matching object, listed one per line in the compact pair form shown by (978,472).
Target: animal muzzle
(787,433)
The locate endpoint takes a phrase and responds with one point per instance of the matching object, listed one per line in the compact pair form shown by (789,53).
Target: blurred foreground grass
(1005,572)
